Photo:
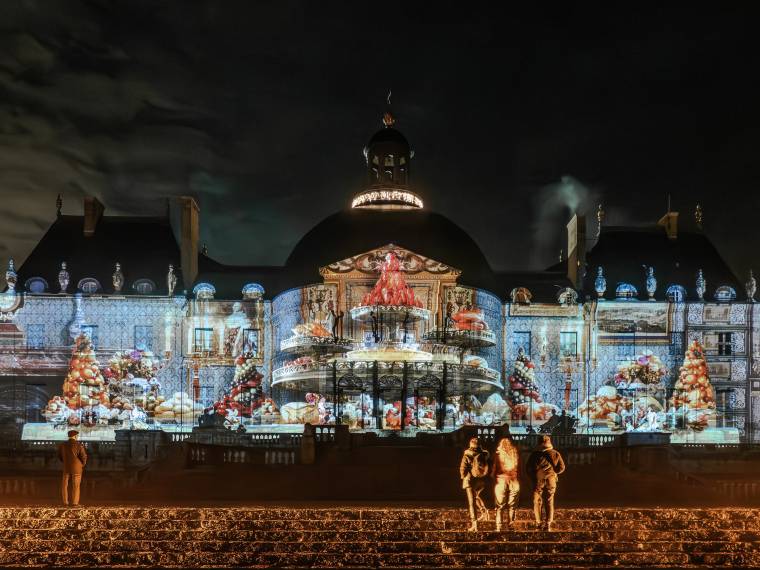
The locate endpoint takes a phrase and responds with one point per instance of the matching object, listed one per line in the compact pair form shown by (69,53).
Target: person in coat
(74,458)
(544,467)
(506,475)
(473,470)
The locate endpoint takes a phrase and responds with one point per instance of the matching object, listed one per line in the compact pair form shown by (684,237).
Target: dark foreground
(361,536)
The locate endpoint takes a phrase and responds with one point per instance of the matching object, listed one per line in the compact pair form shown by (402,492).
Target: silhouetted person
(74,458)
(473,470)
(505,472)
(544,466)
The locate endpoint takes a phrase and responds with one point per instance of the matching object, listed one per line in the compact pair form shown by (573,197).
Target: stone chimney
(93,211)
(670,222)
(185,219)
(576,249)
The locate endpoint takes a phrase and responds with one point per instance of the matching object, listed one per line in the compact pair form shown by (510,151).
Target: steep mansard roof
(623,251)
(144,246)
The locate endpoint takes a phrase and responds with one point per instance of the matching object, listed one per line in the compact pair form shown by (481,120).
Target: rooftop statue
(63,278)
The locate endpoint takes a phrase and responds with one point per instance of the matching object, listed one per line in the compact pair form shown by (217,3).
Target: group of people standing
(543,468)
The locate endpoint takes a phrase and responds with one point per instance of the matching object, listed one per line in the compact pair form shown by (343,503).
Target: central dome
(351,232)
(388,211)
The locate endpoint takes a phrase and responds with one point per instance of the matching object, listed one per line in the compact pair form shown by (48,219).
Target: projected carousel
(401,373)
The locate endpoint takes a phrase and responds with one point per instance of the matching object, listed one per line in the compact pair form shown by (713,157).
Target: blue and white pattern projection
(565,342)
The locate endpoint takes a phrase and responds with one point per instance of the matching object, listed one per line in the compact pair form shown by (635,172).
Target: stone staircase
(372,537)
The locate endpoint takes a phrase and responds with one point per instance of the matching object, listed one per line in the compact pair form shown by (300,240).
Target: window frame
(201,346)
(563,335)
(725,343)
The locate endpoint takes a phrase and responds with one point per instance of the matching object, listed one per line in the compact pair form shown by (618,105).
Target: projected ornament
(63,278)
(600,283)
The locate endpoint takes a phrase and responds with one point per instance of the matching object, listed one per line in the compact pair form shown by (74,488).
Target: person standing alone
(505,472)
(74,458)
(544,467)
(473,470)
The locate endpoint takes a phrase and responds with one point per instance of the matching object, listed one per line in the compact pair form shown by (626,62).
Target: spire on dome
(388,156)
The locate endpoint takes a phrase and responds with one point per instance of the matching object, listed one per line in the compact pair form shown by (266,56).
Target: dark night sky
(261,110)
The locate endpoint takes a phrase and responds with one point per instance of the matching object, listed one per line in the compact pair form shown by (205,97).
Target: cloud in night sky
(261,110)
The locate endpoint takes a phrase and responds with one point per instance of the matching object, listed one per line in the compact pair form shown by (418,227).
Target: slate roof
(349,232)
(623,251)
(145,246)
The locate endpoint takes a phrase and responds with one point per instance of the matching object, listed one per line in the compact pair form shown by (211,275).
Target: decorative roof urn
(171,280)
(11,277)
(751,287)
(600,283)
(63,278)
(701,286)
(118,278)
(651,283)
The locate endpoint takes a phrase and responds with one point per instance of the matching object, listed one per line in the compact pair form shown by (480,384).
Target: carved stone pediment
(369,263)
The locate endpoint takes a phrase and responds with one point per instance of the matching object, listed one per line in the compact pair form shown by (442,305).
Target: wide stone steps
(373,537)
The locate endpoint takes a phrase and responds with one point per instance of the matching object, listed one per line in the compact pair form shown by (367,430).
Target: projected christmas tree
(84,385)
(693,390)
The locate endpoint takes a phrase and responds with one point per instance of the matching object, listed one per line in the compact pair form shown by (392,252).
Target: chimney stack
(93,211)
(670,222)
(576,249)
(185,218)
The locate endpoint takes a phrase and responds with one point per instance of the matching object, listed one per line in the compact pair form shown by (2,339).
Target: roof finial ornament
(599,220)
(388,119)
(751,287)
(63,278)
(117,278)
(698,215)
(58,205)
(171,280)
(561,251)
(11,277)
(204,250)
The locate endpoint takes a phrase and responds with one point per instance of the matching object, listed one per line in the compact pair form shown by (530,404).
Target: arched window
(36,285)
(389,160)
(676,294)
(89,285)
(725,294)
(204,291)
(375,160)
(389,175)
(626,292)
(144,286)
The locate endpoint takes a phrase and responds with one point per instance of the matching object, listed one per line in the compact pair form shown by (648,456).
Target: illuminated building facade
(385,316)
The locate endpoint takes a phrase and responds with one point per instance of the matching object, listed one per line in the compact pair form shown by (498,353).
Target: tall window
(203,340)
(91,332)
(624,352)
(251,341)
(568,344)
(725,346)
(207,395)
(520,340)
(143,337)
(35,336)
